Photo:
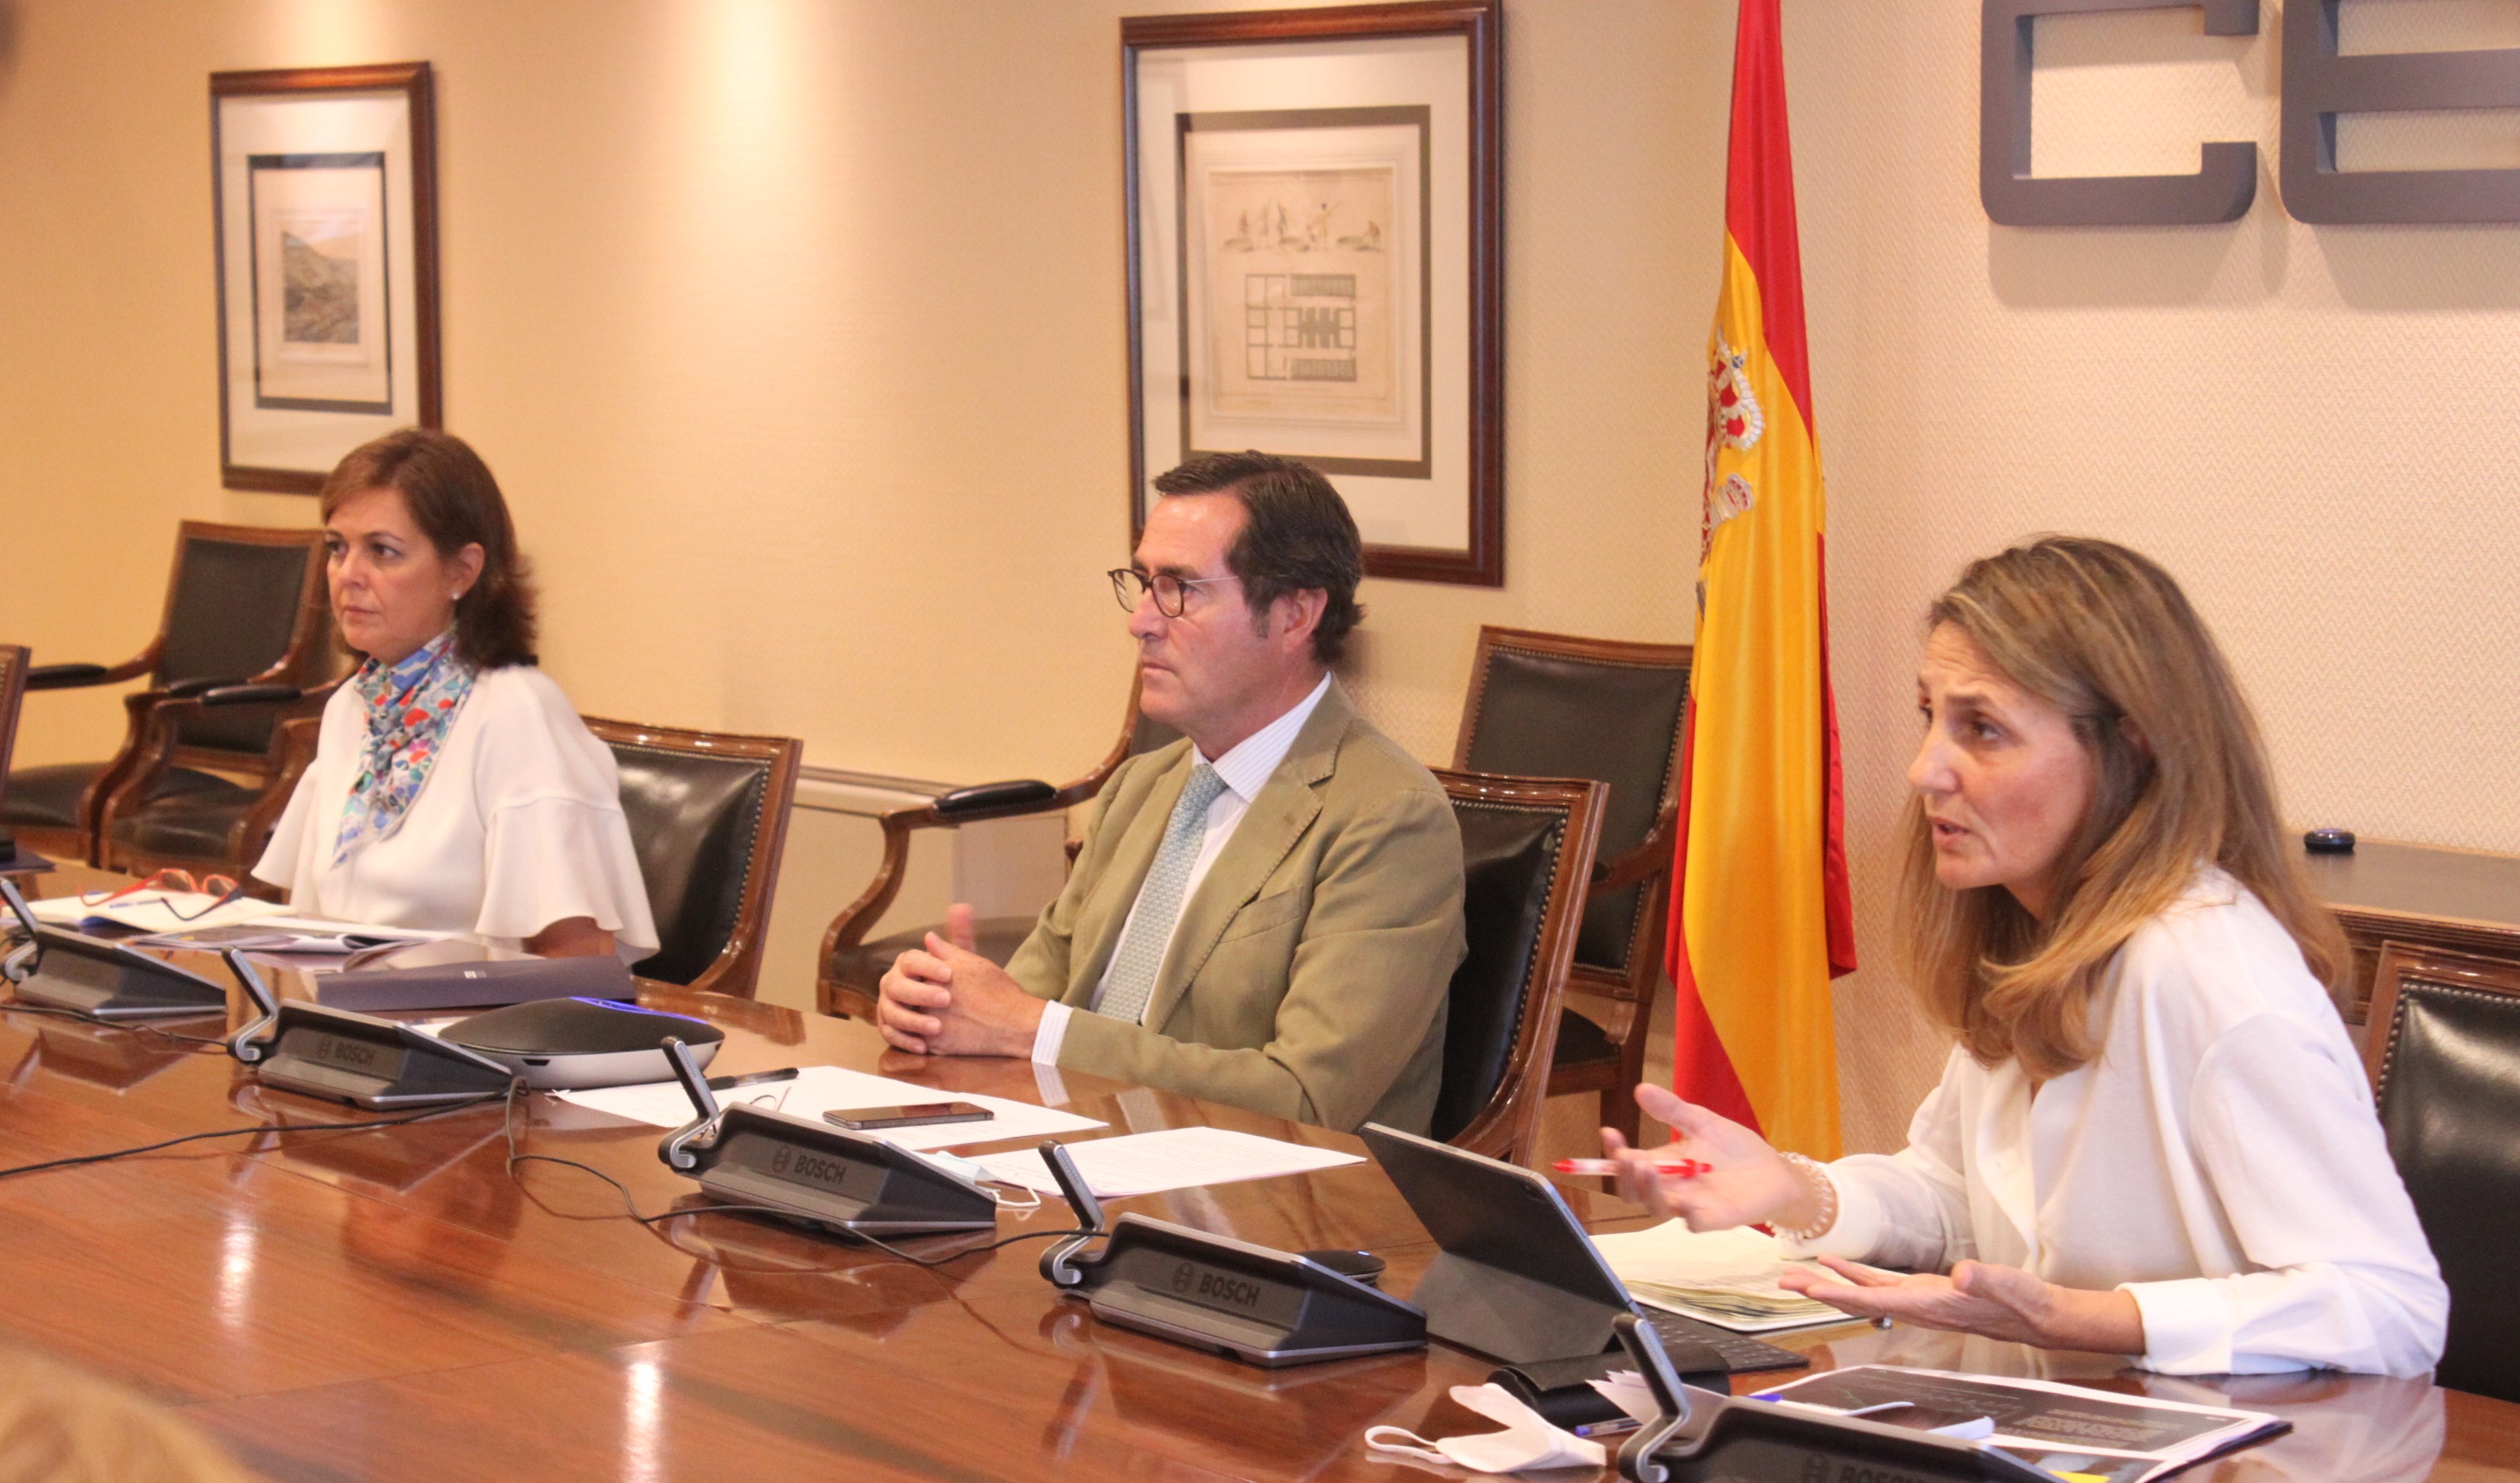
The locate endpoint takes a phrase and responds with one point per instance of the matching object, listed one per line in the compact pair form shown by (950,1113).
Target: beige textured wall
(794,328)
(2312,427)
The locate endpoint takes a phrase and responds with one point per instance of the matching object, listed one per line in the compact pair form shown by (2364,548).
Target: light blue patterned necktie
(1132,981)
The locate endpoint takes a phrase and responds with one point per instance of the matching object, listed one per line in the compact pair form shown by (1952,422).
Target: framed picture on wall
(1314,236)
(325,232)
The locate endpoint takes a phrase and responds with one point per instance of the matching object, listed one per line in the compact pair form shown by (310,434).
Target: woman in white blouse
(2152,1137)
(454,786)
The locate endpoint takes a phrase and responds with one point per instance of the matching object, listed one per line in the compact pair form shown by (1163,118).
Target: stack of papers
(816,1090)
(1724,1278)
(290,934)
(1175,1158)
(154,911)
(2078,1435)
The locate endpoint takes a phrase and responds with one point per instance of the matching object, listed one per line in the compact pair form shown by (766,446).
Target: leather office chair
(1554,706)
(853,968)
(708,816)
(155,817)
(1527,846)
(13,687)
(2443,1051)
(244,605)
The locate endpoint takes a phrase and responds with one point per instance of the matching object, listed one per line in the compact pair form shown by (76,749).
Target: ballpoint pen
(1684,1168)
(750,1079)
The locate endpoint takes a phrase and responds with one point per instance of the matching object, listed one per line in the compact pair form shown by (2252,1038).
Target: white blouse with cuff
(2219,1161)
(519,826)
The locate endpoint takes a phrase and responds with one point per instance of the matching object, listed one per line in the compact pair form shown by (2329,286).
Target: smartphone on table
(913,1115)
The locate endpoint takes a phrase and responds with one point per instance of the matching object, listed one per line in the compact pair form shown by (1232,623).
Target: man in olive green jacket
(1267,913)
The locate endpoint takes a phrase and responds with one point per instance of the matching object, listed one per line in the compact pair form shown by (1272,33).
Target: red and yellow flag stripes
(1761,919)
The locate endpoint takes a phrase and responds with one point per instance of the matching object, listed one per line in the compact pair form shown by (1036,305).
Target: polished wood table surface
(2418,893)
(396,1304)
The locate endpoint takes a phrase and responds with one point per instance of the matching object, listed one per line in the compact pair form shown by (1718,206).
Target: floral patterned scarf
(409,707)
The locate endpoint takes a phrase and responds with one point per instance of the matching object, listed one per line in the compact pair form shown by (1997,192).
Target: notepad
(1724,1278)
(1175,1158)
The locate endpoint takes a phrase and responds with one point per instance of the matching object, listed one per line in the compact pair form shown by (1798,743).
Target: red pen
(1686,1168)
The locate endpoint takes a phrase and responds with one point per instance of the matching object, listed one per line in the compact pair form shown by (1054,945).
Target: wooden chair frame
(2402,961)
(1509,1127)
(1647,865)
(307,660)
(13,659)
(737,969)
(157,749)
(858,918)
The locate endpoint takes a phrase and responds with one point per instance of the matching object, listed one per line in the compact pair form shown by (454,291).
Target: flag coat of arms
(1760,916)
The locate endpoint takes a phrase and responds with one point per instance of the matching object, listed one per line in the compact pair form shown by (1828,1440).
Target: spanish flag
(1761,919)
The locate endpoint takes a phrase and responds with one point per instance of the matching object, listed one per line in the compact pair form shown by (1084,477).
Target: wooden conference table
(394,1304)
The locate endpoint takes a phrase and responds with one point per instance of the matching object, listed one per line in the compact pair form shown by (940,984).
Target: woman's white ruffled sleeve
(556,843)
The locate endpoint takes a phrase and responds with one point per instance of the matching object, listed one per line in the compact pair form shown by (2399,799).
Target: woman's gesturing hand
(1981,1297)
(1746,1180)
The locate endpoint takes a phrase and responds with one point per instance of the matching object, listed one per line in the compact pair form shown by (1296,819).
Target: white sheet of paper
(818,1090)
(1671,1252)
(1176,1158)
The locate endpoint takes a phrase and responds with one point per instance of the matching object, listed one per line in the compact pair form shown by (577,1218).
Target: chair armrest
(963,806)
(249,694)
(183,689)
(80,676)
(1652,857)
(65,676)
(154,715)
(984,798)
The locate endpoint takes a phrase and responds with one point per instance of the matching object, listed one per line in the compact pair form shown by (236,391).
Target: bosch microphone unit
(819,1176)
(65,970)
(355,1059)
(1212,1292)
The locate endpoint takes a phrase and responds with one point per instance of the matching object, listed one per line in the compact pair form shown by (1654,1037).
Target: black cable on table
(192,1138)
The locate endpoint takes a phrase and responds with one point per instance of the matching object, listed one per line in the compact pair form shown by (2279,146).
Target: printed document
(1176,1158)
(2078,1434)
(1724,1278)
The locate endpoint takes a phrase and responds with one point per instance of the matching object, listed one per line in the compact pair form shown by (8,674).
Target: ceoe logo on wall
(2319,84)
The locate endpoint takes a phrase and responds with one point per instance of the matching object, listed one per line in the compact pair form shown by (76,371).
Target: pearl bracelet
(1822,1188)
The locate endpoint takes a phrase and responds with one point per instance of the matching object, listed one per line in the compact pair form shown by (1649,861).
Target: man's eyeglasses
(1172,593)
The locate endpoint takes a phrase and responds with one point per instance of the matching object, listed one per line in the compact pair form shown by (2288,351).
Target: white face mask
(1527,1444)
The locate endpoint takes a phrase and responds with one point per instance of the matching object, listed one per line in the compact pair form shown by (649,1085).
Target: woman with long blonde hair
(2152,1136)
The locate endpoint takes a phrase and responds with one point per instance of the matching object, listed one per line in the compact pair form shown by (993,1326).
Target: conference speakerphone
(818,1176)
(65,969)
